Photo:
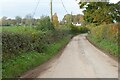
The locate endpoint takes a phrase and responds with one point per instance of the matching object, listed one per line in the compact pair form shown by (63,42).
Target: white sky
(12,8)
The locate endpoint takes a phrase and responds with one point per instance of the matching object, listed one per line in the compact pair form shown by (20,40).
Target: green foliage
(19,29)
(69,18)
(24,48)
(16,43)
(100,12)
(18,20)
(78,29)
(106,37)
(44,24)
(109,32)
(105,45)
(16,66)
(18,40)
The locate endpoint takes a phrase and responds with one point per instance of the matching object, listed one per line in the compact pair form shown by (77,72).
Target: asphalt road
(80,59)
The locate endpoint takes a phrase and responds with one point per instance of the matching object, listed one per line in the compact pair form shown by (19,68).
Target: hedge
(106,37)
(16,43)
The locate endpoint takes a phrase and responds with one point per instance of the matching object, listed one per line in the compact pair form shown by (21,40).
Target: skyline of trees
(29,21)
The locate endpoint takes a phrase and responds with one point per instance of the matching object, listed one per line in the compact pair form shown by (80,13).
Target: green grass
(20,64)
(106,45)
(19,29)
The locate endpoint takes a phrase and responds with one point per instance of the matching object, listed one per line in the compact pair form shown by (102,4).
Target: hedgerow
(15,43)
(106,37)
(26,47)
(109,32)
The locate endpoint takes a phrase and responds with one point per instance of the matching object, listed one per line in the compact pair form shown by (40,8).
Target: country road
(80,59)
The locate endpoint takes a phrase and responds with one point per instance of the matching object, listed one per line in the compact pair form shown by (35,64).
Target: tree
(55,20)
(4,21)
(75,19)
(116,12)
(28,20)
(0,22)
(13,22)
(44,24)
(81,20)
(67,18)
(18,20)
(99,12)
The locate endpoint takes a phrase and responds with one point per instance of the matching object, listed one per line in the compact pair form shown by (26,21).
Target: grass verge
(105,45)
(20,64)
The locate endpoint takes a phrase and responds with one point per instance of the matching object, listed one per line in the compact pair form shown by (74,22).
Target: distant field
(18,29)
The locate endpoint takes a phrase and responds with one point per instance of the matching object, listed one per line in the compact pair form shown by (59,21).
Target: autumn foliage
(55,20)
(109,32)
(106,37)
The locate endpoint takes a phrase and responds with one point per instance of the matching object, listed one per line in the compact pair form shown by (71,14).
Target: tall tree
(116,12)
(28,20)
(67,18)
(4,21)
(55,20)
(18,20)
(0,22)
(99,12)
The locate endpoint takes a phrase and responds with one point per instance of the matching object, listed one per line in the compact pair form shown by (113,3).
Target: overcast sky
(12,8)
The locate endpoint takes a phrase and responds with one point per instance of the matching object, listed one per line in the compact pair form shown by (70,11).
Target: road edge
(105,52)
(35,72)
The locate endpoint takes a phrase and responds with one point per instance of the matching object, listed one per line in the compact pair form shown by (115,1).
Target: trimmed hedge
(16,66)
(16,43)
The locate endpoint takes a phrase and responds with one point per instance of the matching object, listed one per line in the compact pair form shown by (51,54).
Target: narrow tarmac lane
(80,59)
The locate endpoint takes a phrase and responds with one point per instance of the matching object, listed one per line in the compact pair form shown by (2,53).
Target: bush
(78,29)
(106,37)
(83,29)
(20,64)
(109,32)
(44,24)
(16,43)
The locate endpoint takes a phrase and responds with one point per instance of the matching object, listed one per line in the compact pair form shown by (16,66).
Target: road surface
(80,59)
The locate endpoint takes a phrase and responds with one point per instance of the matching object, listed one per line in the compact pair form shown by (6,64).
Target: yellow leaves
(106,31)
(55,20)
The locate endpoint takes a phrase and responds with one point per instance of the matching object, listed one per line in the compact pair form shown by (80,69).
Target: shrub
(44,24)
(26,61)
(106,37)
(109,32)
(15,43)
(83,29)
(79,29)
